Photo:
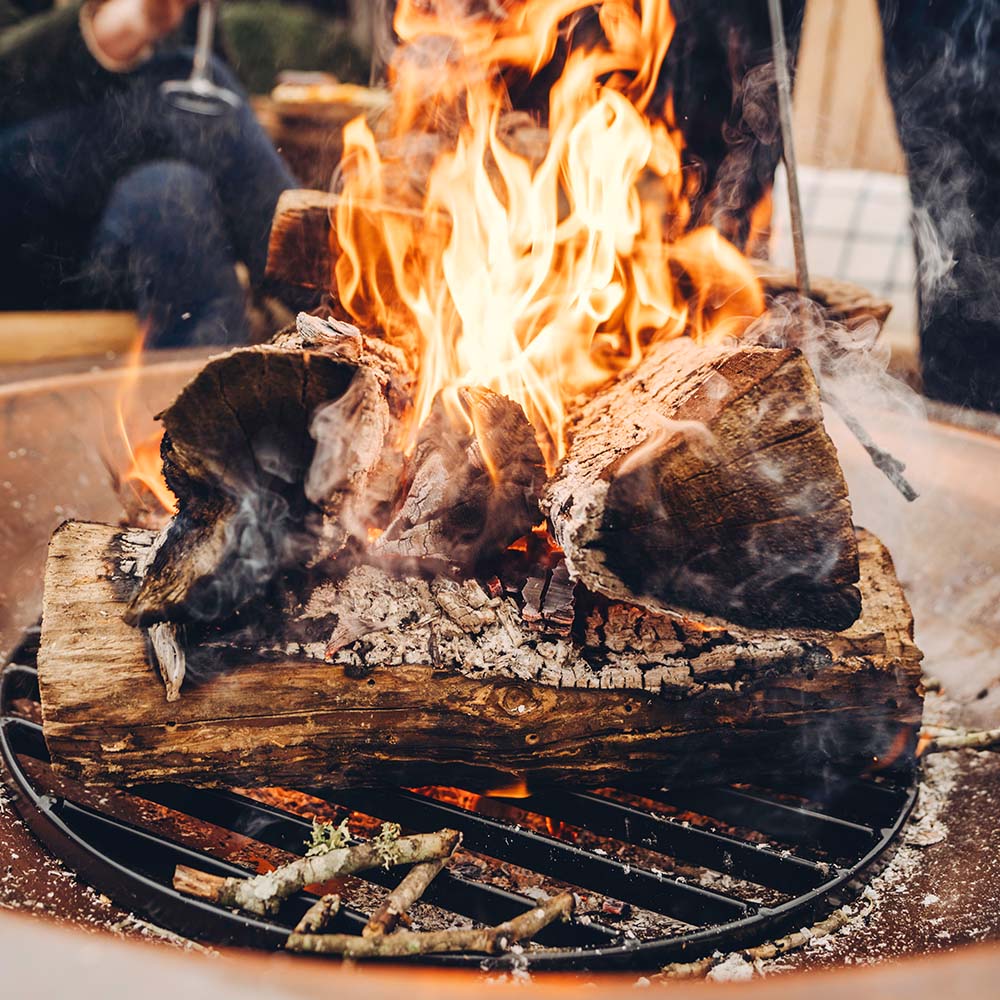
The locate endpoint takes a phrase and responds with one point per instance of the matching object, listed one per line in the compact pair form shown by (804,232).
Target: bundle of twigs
(332,855)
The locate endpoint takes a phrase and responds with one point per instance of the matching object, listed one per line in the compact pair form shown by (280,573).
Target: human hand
(124,29)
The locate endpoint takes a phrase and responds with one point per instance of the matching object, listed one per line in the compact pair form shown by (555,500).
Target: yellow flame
(539,273)
(144,469)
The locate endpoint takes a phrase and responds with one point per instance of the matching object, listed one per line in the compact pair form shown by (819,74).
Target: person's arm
(62,57)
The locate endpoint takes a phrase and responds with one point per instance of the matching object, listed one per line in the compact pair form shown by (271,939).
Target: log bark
(706,478)
(673,699)
(255,450)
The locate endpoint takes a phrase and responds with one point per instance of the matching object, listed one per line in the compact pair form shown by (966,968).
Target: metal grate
(806,850)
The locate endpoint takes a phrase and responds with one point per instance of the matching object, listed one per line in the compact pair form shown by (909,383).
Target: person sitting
(111,197)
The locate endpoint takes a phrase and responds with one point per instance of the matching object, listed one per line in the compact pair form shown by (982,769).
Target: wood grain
(300,721)
(705,477)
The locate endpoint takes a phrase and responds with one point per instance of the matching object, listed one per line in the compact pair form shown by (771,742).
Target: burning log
(439,677)
(706,478)
(303,252)
(240,454)
(476,475)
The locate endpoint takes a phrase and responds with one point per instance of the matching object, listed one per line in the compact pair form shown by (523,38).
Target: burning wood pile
(528,499)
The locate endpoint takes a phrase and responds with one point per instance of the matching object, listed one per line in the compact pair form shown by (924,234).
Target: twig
(487,940)
(320,915)
(987,740)
(931,683)
(771,949)
(263,894)
(413,886)
(891,466)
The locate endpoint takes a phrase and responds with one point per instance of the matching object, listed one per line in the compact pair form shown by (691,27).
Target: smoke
(699,439)
(850,362)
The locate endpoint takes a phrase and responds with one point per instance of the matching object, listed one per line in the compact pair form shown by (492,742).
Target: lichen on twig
(386,842)
(263,894)
(326,837)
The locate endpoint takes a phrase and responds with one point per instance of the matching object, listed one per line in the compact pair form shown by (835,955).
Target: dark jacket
(45,64)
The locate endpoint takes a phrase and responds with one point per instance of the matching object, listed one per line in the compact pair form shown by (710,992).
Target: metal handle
(207,16)
(784,84)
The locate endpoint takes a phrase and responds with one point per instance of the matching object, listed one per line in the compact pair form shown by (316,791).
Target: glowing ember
(537,261)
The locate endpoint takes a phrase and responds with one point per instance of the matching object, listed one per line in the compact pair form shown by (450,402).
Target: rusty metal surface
(56,432)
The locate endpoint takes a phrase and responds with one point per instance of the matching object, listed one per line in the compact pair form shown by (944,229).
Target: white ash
(379,619)
(733,969)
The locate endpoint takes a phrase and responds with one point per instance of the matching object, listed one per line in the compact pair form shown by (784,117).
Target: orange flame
(541,272)
(144,473)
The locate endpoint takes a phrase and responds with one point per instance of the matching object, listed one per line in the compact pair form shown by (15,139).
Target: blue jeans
(130,203)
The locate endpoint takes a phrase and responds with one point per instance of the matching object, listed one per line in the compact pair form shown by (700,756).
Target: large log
(263,448)
(680,700)
(705,477)
(303,252)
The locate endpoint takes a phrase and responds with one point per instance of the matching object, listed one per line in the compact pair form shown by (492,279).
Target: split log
(476,475)
(705,478)
(632,696)
(303,252)
(248,450)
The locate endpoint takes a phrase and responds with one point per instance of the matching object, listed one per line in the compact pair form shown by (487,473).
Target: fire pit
(524,562)
(958,650)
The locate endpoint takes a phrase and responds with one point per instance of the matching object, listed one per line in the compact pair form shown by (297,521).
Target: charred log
(240,454)
(476,476)
(705,478)
(455,682)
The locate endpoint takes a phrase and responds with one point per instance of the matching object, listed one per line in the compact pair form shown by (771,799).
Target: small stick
(263,894)
(988,739)
(771,949)
(413,886)
(319,916)
(487,940)
(887,463)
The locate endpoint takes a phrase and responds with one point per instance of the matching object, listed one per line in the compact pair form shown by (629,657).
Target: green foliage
(326,837)
(263,37)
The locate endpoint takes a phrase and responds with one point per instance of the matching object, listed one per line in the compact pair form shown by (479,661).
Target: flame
(143,475)
(537,262)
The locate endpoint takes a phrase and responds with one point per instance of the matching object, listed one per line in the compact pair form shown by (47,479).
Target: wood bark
(450,685)
(706,478)
(255,451)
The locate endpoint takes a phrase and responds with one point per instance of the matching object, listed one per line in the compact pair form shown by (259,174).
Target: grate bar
(20,681)
(863,802)
(840,838)
(690,844)
(573,865)
(288,832)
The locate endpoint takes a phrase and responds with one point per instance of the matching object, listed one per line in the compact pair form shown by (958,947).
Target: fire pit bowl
(58,432)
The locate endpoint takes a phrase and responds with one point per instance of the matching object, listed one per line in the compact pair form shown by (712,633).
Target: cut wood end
(193,882)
